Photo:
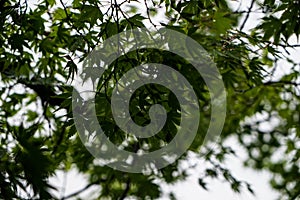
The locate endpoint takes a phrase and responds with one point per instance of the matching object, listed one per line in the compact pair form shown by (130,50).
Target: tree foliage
(43,42)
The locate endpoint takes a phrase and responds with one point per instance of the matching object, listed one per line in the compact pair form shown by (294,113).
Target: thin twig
(81,190)
(282,83)
(248,14)
(127,188)
(148,13)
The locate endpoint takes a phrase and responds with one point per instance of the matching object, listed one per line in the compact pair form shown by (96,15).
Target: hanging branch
(127,188)
(82,190)
(248,14)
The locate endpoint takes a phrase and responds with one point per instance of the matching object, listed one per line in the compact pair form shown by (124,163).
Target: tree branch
(248,14)
(127,188)
(81,190)
(282,83)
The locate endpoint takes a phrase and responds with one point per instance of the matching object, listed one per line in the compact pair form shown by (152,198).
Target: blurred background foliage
(43,42)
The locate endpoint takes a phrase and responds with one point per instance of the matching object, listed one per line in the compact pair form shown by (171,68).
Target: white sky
(191,190)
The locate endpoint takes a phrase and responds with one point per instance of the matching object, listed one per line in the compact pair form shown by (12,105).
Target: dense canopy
(44,42)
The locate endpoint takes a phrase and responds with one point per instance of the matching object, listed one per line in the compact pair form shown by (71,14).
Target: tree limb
(248,14)
(127,188)
(282,83)
(81,190)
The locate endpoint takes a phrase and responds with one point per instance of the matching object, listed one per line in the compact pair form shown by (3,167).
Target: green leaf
(31,115)
(221,22)
(59,14)
(202,184)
